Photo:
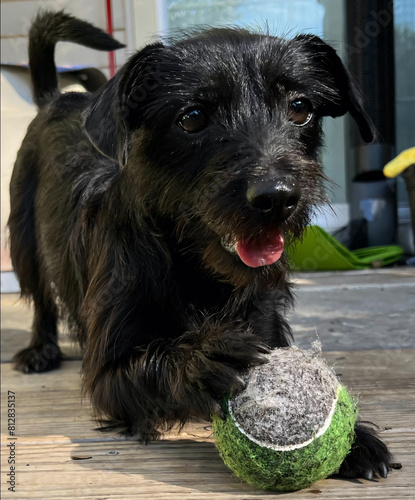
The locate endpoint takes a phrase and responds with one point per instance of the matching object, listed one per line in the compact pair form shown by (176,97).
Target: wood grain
(61,455)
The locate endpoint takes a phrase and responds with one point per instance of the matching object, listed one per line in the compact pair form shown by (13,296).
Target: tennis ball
(291,426)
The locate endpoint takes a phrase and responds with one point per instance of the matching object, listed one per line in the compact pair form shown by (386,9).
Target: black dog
(154,212)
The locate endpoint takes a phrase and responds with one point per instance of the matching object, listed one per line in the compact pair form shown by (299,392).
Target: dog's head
(220,133)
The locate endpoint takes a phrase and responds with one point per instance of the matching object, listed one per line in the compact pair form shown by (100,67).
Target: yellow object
(400,163)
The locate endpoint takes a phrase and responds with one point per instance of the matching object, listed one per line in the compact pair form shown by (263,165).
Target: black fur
(126,222)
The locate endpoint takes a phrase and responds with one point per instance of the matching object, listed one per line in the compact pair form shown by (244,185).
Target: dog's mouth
(262,249)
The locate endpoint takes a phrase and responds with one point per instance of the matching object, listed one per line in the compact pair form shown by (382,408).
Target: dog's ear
(100,122)
(115,108)
(349,98)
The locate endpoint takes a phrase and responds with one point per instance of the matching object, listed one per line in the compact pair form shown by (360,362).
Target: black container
(409,176)
(373,198)
(370,58)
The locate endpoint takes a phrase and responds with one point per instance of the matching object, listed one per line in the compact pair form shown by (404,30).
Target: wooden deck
(60,456)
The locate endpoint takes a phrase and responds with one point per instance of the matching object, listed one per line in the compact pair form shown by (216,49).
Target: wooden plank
(165,470)
(349,278)
(61,456)
(380,391)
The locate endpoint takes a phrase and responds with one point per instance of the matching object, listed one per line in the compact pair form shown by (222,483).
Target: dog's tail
(47,30)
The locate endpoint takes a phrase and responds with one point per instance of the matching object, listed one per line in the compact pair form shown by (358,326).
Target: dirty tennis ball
(291,426)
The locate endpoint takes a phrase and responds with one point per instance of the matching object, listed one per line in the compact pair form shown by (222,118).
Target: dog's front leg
(170,381)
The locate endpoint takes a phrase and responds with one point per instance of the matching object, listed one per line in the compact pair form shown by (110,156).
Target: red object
(111,55)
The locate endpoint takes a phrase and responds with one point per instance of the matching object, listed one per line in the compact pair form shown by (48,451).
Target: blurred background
(376,39)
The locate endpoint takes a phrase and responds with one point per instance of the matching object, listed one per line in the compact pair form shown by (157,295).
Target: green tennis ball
(291,426)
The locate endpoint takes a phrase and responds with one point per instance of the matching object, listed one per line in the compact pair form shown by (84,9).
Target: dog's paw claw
(383,470)
(368,474)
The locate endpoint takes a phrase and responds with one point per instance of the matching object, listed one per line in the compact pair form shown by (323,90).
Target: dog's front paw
(239,349)
(369,456)
(38,359)
(226,357)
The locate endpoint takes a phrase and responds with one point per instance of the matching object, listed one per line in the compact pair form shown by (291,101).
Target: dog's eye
(193,121)
(299,112)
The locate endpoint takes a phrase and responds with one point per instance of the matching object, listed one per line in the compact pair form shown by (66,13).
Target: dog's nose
(275,198)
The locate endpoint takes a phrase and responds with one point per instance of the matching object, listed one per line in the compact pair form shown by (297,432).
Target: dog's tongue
(261,250)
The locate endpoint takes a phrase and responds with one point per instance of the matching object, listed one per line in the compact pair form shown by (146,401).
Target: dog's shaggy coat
(153,215)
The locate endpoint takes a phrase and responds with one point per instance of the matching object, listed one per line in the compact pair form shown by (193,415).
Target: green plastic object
(319,251)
